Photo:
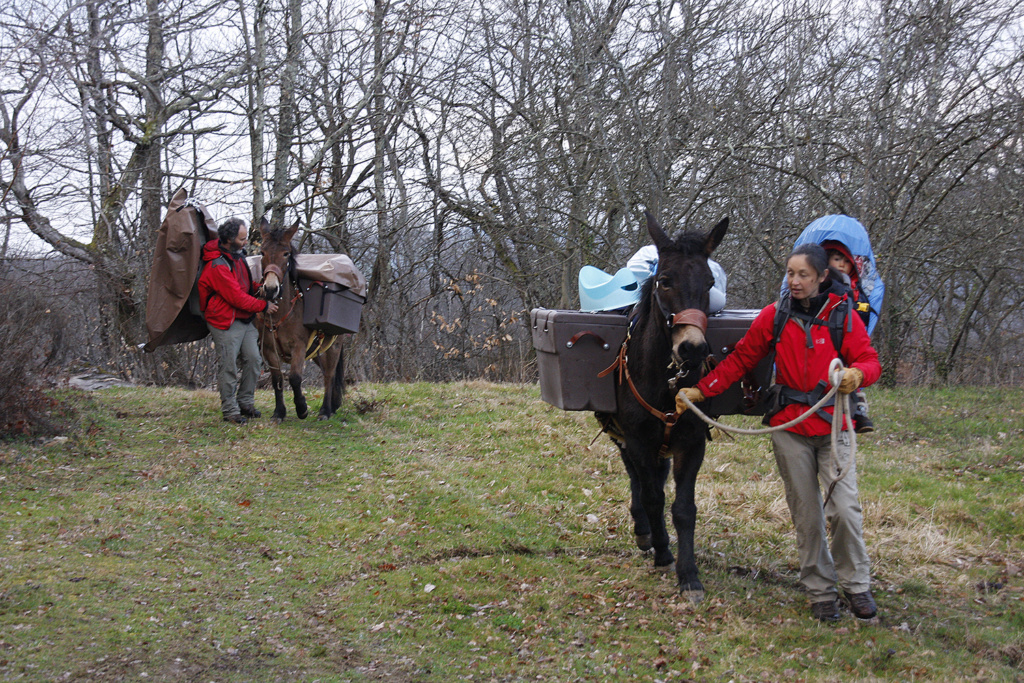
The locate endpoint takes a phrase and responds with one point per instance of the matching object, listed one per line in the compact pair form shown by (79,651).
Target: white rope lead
(835,372)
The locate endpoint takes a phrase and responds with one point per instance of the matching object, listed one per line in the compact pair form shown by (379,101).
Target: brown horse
(283,337)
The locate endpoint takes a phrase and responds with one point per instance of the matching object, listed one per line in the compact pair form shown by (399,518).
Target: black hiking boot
(237,419)
(826,611)
(862,604)
(251,412)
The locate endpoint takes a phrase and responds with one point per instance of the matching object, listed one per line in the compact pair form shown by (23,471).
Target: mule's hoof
(643,541)
(303,415)
(694,596)
(664,559)
(321,417)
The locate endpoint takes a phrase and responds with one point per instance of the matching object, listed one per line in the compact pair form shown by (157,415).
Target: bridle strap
(687,316)
(276,270)
(271,326)
(691,316)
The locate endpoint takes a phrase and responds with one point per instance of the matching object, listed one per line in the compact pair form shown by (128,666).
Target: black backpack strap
(840,321)
(789,395)
(782,311)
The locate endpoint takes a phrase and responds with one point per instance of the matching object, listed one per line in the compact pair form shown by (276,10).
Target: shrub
(31,336)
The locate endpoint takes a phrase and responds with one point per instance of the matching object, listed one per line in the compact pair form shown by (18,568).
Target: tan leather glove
(692,393)
(852,377)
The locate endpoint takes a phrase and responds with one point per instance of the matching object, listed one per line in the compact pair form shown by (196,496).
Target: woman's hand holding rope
(692,394)
(836,372)
(852,377)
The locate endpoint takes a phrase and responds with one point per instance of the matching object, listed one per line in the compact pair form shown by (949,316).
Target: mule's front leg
(684,518)
(654,506)
(301,408)
(277,381)
(641,526)
(648,489)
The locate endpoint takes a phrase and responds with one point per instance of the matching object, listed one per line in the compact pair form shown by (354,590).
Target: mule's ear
(714,237)
(264,225)
(657,233)
(290,232)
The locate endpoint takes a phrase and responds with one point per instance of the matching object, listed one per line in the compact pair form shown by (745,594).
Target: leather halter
(687,316)
(269,323)
(690,316)
(273,268)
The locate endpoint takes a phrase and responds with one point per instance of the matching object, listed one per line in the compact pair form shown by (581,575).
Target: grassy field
(469,532)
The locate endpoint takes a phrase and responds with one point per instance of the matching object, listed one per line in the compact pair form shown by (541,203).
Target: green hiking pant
(238,343)
(807,469)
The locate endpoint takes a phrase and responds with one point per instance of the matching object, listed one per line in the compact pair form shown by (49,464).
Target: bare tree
(99,174)
(472,157)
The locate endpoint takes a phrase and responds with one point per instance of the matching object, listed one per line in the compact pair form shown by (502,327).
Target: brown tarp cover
(179,244)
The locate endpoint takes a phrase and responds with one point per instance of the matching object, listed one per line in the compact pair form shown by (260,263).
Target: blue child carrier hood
(850,232)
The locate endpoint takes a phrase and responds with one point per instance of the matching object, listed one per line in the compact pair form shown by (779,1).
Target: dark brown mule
(283,337)
(664,351)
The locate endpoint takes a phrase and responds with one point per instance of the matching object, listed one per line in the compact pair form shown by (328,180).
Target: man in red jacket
(226,298)
(803,453)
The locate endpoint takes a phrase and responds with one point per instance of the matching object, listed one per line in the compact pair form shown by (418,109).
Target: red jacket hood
(211,250)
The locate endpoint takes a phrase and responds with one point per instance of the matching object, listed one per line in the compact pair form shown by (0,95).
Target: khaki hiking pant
(807,469)
(240,342)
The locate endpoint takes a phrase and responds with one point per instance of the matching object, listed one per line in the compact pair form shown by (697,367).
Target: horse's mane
(689,243)
(685,243)
(643,306)
(277,235)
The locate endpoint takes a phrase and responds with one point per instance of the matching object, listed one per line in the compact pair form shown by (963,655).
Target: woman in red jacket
(803,453)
